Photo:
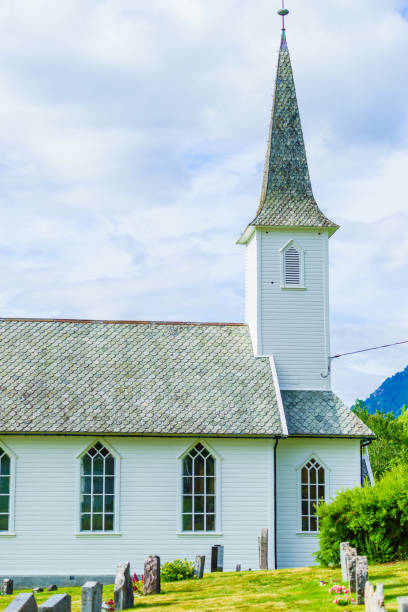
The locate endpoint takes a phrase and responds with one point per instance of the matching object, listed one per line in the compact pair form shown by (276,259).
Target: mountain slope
(391,395)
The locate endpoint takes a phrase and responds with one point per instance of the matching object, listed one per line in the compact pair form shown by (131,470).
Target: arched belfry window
(313,491)
(292,263)
(97,499)
(5,490)
(199,490)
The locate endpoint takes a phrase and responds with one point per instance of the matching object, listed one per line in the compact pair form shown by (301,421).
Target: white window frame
(12,499)
(322,464)
(117,457)
(218,489)
(299,248)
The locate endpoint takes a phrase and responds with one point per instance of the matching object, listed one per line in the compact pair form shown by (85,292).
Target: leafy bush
(373,519)
(177,570)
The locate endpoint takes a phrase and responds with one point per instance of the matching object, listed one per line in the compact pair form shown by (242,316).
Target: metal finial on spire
(283,12)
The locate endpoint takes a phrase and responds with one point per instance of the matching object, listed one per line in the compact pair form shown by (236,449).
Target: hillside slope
(391,395)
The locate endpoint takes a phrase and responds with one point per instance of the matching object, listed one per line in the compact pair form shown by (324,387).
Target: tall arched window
(97,489)
(199,490)
(313,491)
(5,475)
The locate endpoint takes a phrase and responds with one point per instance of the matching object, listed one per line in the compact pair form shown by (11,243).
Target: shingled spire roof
(287,198)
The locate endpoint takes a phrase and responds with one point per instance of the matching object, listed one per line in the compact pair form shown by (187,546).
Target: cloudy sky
(132,140)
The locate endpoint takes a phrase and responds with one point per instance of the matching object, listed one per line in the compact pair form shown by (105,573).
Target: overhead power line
(374,348)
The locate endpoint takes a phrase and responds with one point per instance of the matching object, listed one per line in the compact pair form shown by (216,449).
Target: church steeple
(287,199)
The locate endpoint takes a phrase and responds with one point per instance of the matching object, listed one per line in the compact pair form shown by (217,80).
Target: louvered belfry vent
(292,266)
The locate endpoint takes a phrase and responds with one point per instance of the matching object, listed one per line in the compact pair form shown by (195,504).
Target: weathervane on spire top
(283,12)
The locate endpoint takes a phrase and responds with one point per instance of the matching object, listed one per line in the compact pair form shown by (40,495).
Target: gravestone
(52,587)
(344,547)
(217,558)
(199,566)
(38,590)
(7,586)
(361,578)
(374,598)
(151,579)
(24,602)
(57,603)
(123,588)
(402,604)
(351,572)
(238,568)
(91,597)
(263,549)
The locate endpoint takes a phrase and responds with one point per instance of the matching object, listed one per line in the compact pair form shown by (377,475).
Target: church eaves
(287,198)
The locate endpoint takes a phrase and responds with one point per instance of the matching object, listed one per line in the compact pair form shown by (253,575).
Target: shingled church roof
(287,198)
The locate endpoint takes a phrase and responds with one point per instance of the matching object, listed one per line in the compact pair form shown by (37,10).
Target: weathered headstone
(344,547)
(57,603)
(38,590)
(361,578)
(52,587)
(351,571)
(374,599)
(91,597)
(217,558)
(199,566)
(402,604)
(238,568)
(7,586)
(123,588)
(151,579)
(263,549)
(24,602)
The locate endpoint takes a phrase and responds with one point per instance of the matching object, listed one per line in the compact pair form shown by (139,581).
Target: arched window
(97,489)
(199,488)
(313,491)
(5,488)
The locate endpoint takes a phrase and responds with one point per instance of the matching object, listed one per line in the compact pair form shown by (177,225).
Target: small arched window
(313,492)
(97,489)
(198,511)
(5,490)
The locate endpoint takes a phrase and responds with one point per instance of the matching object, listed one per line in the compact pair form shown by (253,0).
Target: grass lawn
(295,590)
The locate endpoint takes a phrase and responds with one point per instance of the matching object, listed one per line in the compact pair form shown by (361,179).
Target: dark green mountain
(391,395)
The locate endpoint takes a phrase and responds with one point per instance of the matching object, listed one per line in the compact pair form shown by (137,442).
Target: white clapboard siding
(251,290)
(47,506)
(341,457)
(294,325)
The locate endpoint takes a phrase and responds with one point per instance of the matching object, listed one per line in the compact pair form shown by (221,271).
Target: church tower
(287,282)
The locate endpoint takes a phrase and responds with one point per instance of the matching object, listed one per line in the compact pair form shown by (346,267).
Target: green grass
(296,590)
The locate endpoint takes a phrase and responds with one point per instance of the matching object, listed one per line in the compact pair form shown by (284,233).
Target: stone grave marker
(238,568)
(7,586)
(344,547)
(56,603)
(91,597)
(402,604)
(199,566)
(374,598)
(151,579)
(263,549)
(361,578)
(217,558)
(24,602)
(123,588)
(351,556)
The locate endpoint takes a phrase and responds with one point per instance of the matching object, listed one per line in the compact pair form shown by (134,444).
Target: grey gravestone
(38,590)
(374,599)
(351,572)
(91,597)
(361,578)
(151,579)
(369,596)
(238,568)
(344,547)
(57,603)
(7,587)
(123,588)
(52,587)
(24,602)
(402,604)
(199,566)
(263,549)
(217,558)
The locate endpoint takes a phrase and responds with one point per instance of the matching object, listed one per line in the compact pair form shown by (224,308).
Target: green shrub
(373,519)
(177,570)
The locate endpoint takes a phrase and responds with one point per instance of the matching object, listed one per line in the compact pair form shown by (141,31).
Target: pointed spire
(287,198)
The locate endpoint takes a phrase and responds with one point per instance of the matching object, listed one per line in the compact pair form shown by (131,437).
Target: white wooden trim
(259,289)
(12,495)
(278,396)
(218,491)
(117,456)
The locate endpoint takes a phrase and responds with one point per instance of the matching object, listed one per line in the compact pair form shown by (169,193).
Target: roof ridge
(117,322)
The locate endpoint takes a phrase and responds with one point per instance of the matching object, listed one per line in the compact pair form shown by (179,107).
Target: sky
(132,143)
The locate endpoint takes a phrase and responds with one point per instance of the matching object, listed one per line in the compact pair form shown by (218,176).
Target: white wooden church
(121,439)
